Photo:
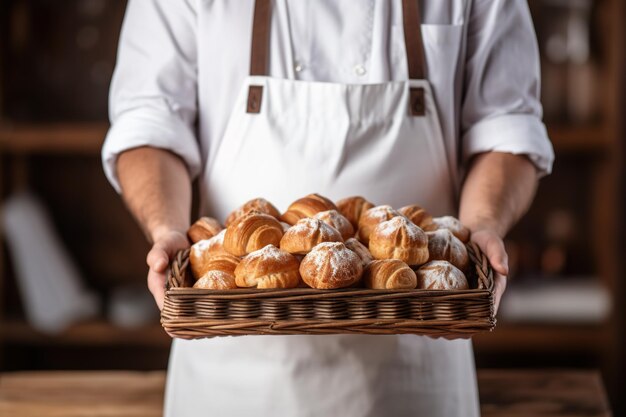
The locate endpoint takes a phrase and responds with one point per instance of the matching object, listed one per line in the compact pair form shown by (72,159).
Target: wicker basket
(191,313)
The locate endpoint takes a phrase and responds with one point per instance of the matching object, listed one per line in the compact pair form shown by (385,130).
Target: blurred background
(72,296)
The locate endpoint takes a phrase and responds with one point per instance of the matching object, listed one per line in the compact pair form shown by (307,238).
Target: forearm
(157,190)
(497,191)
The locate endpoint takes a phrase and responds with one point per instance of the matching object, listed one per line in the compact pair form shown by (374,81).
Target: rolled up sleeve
(152,100)
(501,111)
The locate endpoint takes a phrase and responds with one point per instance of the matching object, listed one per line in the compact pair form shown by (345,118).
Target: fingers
(157,258)
(496,253)
(156,285)
(499,287)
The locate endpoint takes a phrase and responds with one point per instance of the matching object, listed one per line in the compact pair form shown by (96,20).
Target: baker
(434,103)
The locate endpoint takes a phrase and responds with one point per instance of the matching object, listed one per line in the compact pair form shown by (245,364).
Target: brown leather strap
(413,39)
(260,37)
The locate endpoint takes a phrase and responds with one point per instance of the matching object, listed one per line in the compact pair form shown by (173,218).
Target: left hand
(493,247)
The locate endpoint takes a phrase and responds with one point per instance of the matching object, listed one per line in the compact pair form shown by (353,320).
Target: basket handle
(483,267)
(177,274)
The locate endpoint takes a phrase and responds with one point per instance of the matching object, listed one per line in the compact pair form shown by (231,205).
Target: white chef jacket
(185,60)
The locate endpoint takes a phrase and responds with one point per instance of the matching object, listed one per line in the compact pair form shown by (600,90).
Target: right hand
(165,246)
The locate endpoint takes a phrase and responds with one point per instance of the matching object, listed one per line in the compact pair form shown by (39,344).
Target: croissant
(251,232)
(389,274)
(204,228)
(418,216)
(337,221)
(352,208)
(269,267)
(331,265)
(306,234)
(307,207)
(372,218)
(202,262)
(398,238)
(259,204)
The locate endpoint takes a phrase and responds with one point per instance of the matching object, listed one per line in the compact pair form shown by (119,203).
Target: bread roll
(453,225)
(389,274)
(251,232)
(444,246)
(418,216)
(352,208)
(441,275)
(216,280)
(259,204)
(204,228)
(372,218)
(306,234)
(331,265)
(337,221)
(399,238)
(357,247)
(307,206)
(269,267)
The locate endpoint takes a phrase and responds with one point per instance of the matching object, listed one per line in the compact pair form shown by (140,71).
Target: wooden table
(507,393)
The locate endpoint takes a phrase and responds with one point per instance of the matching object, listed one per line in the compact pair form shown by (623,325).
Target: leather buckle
(416,101)
(255,96)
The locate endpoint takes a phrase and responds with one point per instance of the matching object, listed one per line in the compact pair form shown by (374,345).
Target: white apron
(290,138)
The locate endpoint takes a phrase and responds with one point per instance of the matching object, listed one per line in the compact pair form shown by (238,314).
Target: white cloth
(178,59)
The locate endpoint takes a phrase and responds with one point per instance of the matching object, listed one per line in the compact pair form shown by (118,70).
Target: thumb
(157,258)
(496,253)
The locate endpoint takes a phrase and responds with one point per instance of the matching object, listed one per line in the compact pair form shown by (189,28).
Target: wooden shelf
(87,138)
(77,138)
(92,333)
(593,138)
(529,338)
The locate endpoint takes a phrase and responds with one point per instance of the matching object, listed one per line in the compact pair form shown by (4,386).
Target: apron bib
(286,139)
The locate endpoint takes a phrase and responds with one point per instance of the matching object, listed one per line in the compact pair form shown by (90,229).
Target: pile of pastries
(323,245)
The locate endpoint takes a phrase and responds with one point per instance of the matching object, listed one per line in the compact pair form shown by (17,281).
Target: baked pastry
(202,261)
(336,220)
(357,247)
(352,208)
(251,232)
(307,206)
(306,234)
(331,265)
(441,275)
(269,267)
(444,246)
(214,245)
(258,204)
(204,228)
(399,238)
(418,216)
(454,225)
(389,274)
(216,280)
(372,218)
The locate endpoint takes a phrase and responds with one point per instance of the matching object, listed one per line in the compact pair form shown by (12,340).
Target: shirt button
(360,70)
(298,67)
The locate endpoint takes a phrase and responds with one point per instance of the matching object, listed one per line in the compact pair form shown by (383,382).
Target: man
(340,97)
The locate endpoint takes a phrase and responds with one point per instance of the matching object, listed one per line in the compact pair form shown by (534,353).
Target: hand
(165,246)
(493,247)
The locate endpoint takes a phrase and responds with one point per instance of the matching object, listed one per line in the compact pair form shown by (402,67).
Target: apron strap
(416,60)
